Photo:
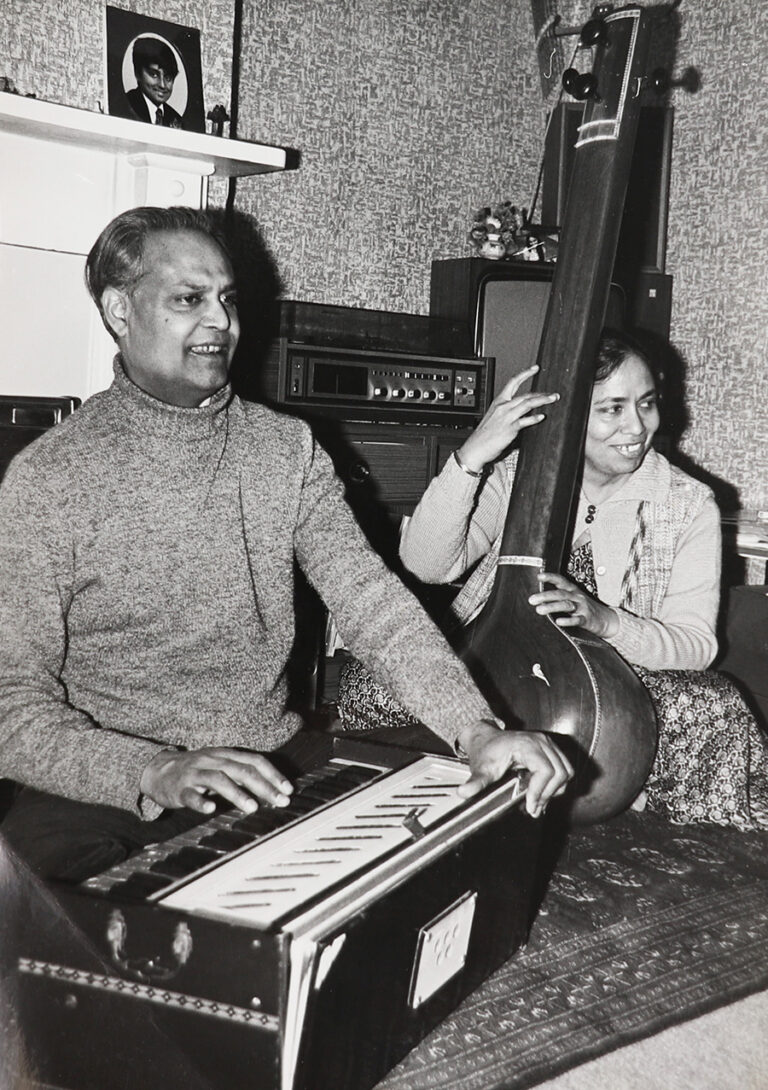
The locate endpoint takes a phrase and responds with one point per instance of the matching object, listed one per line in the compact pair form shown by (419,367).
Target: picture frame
(152,64)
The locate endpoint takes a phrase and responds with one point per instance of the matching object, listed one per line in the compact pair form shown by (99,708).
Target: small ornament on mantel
(7,86)
(505,232)
(217,116)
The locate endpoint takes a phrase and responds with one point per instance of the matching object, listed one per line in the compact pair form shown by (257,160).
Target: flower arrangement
(505,232)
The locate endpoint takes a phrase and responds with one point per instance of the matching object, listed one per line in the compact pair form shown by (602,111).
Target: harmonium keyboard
(308,948)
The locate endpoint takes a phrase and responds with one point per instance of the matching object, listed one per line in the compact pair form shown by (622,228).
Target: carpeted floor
(644,925)
(726,1049)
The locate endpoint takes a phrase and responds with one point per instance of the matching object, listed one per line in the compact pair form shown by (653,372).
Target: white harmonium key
(279,874)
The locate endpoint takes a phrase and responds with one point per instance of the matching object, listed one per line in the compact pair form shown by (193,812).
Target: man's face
(178,329)
(155,83)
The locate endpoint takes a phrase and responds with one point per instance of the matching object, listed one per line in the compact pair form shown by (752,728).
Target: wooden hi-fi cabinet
(390,396)
(385,468)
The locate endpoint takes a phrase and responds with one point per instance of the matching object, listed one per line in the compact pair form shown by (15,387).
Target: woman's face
(623,419)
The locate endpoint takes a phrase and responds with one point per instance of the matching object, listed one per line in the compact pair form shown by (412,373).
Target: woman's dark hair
(148,51)
(116,259)
(615,348)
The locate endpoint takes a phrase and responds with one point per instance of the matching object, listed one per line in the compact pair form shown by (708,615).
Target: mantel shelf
(50,121)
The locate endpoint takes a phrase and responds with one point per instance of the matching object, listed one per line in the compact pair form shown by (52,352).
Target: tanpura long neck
(549,466)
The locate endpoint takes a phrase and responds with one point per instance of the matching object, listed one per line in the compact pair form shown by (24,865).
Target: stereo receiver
(363,385)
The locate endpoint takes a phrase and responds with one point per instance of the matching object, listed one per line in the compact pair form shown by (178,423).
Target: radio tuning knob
(399,392)
(429,395)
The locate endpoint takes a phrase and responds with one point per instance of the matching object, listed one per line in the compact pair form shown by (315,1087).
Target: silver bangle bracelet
(465,469)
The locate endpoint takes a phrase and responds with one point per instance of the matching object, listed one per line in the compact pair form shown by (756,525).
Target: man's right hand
(492,752)
(174,780)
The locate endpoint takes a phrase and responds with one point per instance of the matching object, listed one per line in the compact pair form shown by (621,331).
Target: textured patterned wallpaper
(56,50)
(408,115)
(718,240)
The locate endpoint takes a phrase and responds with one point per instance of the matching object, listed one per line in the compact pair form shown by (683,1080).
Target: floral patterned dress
(712,759)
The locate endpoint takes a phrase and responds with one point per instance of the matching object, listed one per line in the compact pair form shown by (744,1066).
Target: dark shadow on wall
(675,419)
(259,288)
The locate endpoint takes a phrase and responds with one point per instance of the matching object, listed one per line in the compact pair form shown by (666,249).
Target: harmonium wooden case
(301,949)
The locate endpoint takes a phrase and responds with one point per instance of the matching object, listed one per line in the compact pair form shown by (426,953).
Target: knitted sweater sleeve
(379,620)
(682,634)
(45,742)
(455,523)
(458,520)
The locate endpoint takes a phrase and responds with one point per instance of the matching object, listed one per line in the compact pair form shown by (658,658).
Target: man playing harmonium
(147,576)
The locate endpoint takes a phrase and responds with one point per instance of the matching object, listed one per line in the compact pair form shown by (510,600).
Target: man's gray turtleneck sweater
(146,592)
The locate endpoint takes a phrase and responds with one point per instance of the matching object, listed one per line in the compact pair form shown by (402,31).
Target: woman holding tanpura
(643,573)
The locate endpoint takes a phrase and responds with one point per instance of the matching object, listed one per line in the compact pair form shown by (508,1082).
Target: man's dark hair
(148,51)
(116,259)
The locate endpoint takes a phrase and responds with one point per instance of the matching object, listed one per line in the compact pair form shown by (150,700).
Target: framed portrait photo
(154,72)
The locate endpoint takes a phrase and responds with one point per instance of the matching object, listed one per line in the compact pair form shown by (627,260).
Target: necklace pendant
(591,512)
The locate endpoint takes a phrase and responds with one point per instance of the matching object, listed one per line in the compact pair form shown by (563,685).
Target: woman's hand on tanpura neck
(507,415)
(174,780)
(576,607)
(493,752)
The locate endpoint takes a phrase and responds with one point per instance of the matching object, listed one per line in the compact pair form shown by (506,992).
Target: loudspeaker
(643,237)
(649,302)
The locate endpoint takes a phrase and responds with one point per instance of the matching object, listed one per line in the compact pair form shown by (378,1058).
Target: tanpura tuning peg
(661,81)
(593,32)
(579,85)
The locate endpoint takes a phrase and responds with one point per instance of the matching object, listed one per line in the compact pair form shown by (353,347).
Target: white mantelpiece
(64,173)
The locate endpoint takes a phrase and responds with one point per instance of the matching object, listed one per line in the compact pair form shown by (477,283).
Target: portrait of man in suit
(156,69)
(153,71)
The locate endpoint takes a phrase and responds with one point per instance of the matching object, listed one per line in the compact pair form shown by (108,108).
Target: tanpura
(533,672)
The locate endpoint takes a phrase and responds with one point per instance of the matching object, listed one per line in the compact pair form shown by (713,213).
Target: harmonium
(305,948)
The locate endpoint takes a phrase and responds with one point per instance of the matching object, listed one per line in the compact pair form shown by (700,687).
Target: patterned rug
(644,924)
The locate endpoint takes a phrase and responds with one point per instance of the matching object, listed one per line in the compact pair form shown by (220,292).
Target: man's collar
(143,402)
(153,108)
